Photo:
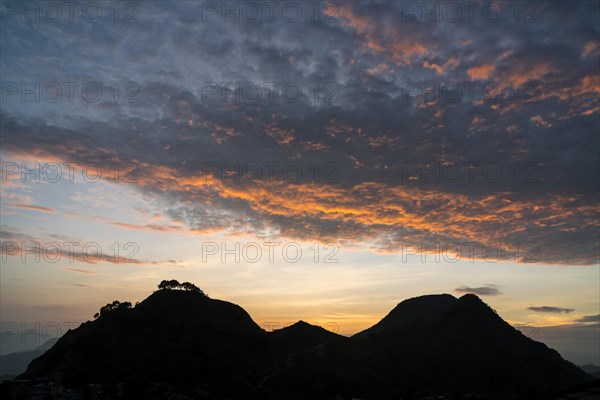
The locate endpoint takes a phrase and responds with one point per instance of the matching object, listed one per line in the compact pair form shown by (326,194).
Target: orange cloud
(149,227)
(379,69)
(481,72)
(521,73)
(590,49)
(442,69)
(541,121)
(371,212)
(33,208)
(380,38)
(282,136)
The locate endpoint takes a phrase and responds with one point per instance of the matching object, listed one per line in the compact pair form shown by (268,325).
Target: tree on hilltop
(172,284)
(115,305)
(175,285)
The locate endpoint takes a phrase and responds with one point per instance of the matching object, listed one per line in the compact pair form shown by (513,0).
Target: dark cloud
(549,309)
(589,318)
(513,176)
(487,290)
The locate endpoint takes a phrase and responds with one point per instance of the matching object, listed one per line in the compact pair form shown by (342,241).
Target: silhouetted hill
(302,334)
(174,306)
(465,345)
(412,311)
(318,364)
(209,348)
(172,336)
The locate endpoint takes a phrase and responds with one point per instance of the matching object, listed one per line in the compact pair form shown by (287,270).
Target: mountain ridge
(429,343)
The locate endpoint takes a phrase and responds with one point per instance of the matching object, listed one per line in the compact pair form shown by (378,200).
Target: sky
(306,160)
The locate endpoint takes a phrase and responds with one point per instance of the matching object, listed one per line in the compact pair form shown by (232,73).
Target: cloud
(33,208)
(481,72)
(549,309)
(382,167)
(486,290)
(149,227)
(14,243)
(589,318)
(80,271)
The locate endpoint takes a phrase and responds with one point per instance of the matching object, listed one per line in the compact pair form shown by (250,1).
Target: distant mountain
(18,340)
(17,362)
(593,370)
(186,343)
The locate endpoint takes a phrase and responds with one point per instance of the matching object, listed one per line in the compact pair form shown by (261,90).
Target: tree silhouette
(172,284)
(175,285)
(115,305)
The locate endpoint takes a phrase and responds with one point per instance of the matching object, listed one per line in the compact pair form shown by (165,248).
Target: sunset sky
(403,151)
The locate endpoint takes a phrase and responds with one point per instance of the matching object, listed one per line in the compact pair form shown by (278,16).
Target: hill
(185,342)
(448,344)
